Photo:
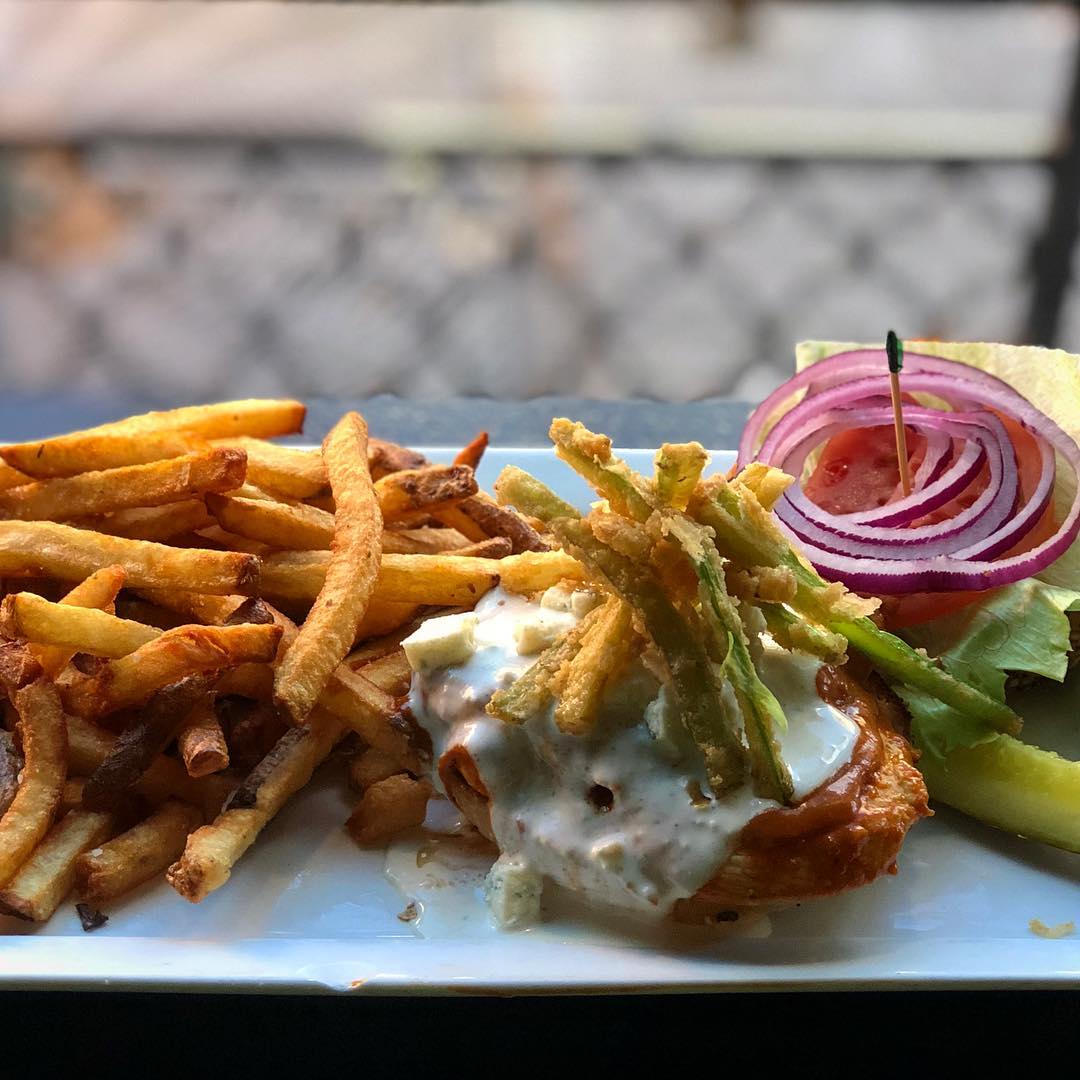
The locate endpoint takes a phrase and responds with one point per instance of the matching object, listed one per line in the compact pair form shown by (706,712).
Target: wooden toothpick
(894,349)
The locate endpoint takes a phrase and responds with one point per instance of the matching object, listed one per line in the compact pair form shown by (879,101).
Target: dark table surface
(875,1033)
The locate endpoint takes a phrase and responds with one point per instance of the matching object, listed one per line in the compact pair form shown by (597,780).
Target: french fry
(17,666)
(534,571)
(10,477)
(213,534)
(495,547)
(330,629)
(11,764)
(278,525)
(391,673)
(43,881)
(456,518)
(97,591)
(214,610)
(139,745)
(387,457)
(212,851)
(494,520)
(253,727)
(89,746)
(201,741)
(41,785)
(424,540)
(134,857)
(71,799)
(71,629)
(156,523)
(382,619)
(187,650)
(281,470)
(441,580)
(403,493)
(470,455)
(374,765)
(70,554)
(102,492)
(128,442)
(367,709)
(388,807)
(604,650)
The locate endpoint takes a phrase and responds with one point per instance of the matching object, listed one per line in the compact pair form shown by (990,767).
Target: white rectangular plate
(308,911)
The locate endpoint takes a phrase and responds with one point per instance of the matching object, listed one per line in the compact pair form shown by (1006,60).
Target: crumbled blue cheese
(583,601)
(441,642)
(513,891)
(539,629)
(557,598)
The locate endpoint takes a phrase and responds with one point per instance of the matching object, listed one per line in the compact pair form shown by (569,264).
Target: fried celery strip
(761,712)
(747,531)
(532,691)
(795,633)
(604,649)
(590,455)
(678,468)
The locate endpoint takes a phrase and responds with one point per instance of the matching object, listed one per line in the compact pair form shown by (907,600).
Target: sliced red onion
(881,550)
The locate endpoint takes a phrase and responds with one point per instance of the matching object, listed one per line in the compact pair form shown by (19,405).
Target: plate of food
(369,718)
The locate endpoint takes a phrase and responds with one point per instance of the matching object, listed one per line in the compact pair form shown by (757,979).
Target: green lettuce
(1019,628)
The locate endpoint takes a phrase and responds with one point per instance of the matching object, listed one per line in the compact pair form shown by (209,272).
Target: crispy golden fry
(442,580)
(97,591)
(424,540)
(454,517)
(470,455)
(277,525)
(387,457)
(213,850)
(10,477)
(214,610)
(604,650)
(70,554)
(377,647)
(187,650)
(128,442)
(495,547)
(157,523)
(214,535)
(330,629)
(43,881)
(403,493)
(202,742)
(372,766)
(381,619)
(533,571)
(136,856)
(11,764)
(390,672)
(281,470)
(71,799)
(71,629)
(139,744)
(120,489)
(388,807)
(495,520)
(367,709)
(41,785)
(89,745)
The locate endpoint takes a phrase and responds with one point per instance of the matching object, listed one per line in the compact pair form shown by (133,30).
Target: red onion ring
(880,550)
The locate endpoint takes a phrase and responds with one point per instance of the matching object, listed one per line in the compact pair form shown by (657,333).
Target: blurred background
(513,199)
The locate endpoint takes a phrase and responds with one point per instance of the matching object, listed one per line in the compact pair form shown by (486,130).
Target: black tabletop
(875,1033)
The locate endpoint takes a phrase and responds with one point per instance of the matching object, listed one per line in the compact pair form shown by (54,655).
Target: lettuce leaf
(1022,627)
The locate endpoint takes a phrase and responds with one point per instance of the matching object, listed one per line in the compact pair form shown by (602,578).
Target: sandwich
(685,730)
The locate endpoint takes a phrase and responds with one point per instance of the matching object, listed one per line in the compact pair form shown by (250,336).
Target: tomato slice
(858,470)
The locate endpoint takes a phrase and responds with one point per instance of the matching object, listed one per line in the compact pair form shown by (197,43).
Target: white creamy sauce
(658,840)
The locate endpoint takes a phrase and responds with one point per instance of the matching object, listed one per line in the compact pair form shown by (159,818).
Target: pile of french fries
(194,618)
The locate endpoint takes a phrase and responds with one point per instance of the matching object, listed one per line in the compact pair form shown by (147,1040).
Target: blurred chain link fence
(199,268)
